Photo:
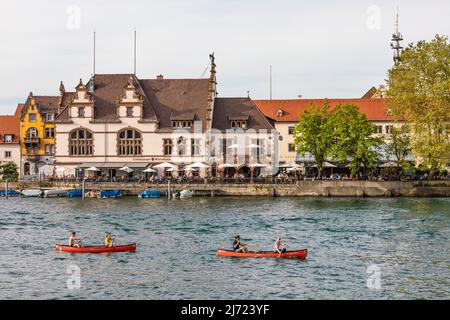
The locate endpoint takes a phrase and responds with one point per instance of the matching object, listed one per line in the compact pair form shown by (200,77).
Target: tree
(399,145)
(419,93)
(9,171)
(353,138)
(312,134)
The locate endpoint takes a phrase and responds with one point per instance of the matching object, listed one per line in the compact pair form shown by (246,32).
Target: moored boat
(295,254)
(110,194)
(75,193)
(186,194)
(54,193)
(10,193)
(96,249)
(150,193)
(32,192)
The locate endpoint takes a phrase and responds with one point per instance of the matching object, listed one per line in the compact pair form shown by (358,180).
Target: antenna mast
(270,82)
(94,54)
(395,41)
(134,51)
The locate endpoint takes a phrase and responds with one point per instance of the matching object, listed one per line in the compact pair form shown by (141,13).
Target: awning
(114,165)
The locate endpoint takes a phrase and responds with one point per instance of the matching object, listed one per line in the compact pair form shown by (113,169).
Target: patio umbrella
(172,169)
(285,165)
(191,169)
(326,165)
(234,146)
(149,170)
(257,165)
(93,169)
(254,146)
(61,169)
(126,169)
(198,165)
(226,165)
(165,165)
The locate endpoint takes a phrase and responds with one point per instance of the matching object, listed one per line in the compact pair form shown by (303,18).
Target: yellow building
(37,132)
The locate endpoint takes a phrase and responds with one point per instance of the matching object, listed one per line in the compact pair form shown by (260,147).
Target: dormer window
(50,117)
(280,113)
(239,124)
(181,124)
(8,138)
(129,112)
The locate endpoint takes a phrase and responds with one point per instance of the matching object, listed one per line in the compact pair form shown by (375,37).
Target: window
(129,143)
(49,149)
(32,133)
(181,124)
(291,147)
(7,154)
(181,145)
(8,138)
(81,112)
(81,143)
(279,113)
(239,124)
(32,117)
(50,117)
(379,129)
(129,111)
(388,129)
(49,133)
(195,147)
(291,130)
(167,147)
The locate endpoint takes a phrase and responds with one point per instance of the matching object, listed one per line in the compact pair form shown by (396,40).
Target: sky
(317,49)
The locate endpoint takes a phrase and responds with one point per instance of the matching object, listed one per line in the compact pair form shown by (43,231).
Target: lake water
(400,244)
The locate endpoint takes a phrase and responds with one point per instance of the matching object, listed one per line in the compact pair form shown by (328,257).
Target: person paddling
(279,246)
(238,246)
(109,240)
(74,241)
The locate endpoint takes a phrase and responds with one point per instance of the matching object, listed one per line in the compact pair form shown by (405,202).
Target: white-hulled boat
(186,194)
(54,193)
(32,192)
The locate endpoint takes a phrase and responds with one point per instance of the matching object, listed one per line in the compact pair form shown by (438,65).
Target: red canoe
(92,249)
(297,254)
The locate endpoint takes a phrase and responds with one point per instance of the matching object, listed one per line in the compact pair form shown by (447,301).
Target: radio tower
(395,42)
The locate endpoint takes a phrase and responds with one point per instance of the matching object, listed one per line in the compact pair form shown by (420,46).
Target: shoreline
(433,188)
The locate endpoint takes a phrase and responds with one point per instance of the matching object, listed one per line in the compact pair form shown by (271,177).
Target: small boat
(96,249)
(150,193)
(11,193)
(54,193)
(32,192)
(296,254)
(186,194)
(75,193)
(104,194)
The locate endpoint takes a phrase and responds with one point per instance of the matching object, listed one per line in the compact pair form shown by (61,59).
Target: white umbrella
(126,169)
(93,169)
(257,165)
(149,170)
(165,165)
(191,169)
(61,169)
(326,165)
(226,165)
(294,169)
(254,146)
(198,165)
(285,165)
(234,146)
(172,169)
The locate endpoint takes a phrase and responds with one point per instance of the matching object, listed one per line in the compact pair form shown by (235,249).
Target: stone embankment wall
(301,188)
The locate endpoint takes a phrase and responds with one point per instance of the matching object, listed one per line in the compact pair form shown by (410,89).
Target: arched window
(81,143)
(32,133)
(129,142)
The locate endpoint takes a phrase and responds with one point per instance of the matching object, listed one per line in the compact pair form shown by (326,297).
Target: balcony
(31,140)
(32,156)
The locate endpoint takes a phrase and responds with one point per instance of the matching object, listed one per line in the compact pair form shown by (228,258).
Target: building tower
(395,42)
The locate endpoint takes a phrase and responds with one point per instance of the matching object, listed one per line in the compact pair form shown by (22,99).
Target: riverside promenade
(351,188)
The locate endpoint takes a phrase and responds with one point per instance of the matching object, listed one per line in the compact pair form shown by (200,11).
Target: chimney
(159,77)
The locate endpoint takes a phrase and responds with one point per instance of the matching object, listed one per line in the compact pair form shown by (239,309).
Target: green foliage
(419,93)
(312,134)
(353,137)
(9,171)
(343,133)
(399,145)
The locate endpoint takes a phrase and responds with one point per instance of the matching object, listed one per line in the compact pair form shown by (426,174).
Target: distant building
(285,114)
(10,138)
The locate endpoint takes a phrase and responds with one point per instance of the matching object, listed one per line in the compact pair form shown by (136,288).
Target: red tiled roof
(10,125)
(375,109)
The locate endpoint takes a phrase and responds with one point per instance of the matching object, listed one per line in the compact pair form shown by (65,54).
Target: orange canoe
(296,254)
(96,249)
